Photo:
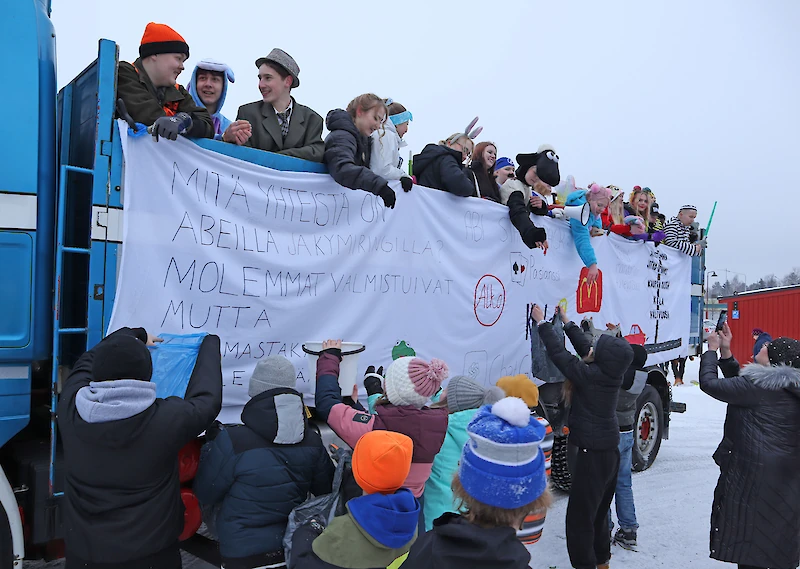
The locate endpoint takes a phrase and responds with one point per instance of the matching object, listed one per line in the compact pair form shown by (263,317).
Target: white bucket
(348,368)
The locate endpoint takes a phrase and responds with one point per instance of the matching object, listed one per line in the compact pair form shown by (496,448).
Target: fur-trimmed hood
(774,378)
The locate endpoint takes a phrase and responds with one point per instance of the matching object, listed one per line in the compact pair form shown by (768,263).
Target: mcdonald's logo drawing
(589,297)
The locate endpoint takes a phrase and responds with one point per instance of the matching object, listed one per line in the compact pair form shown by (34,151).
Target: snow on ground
(673,497)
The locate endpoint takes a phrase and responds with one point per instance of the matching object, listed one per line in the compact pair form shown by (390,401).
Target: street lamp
(735,273)
(708,275)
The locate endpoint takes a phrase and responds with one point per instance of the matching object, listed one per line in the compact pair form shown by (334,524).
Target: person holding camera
(755,519)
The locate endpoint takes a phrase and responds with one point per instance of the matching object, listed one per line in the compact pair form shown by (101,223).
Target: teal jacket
(438,497)
(580,233)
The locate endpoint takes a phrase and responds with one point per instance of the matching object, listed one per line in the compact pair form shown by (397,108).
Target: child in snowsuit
(461,397)
(379,526)
(256,473)
(348,147)
(677,232)
(521,386)
(500,480)
(410,382)
(632,385)
(596,377)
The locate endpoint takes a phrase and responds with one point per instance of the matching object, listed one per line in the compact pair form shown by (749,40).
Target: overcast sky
(697,100)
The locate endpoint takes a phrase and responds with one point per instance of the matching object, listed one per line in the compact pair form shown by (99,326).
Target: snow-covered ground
(673,498)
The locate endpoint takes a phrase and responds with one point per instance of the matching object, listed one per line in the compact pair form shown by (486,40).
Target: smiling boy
(278,123)
(149,90)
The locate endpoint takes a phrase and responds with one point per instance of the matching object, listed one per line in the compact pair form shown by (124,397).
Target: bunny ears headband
(470,132)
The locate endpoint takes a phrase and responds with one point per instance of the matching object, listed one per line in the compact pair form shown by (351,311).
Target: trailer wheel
(6,543)
(559,469)
(647,429)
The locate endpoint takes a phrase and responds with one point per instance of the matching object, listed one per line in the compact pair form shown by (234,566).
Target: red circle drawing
(489,300)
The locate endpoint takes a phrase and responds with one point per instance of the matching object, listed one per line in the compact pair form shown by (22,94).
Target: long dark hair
(484,175)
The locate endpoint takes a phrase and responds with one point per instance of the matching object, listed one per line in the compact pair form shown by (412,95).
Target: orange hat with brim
(520,386)
(160,38)
(381,461)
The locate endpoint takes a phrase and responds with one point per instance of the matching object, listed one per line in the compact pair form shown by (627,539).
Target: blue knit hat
(502,162)
(502,464)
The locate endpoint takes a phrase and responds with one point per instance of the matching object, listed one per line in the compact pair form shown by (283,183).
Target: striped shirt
(534,522)
(676,235)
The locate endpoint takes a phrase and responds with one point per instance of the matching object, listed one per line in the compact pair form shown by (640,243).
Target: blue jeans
(623,496)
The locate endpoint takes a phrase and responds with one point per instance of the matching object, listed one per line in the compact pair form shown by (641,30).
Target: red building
(774,310)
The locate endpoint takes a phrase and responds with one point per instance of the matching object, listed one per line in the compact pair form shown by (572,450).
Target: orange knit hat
(381,461)
(520,386)
(160,38)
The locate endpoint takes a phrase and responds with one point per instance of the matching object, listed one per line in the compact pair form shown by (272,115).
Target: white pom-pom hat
(502,464)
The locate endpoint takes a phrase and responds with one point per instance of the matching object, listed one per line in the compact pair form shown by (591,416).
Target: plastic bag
(173,363)
(320,508)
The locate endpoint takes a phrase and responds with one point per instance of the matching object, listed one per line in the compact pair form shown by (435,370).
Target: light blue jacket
(580,233)
(438,497)
(221,122)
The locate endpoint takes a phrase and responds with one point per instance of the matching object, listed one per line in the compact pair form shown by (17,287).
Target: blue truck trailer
(61,200)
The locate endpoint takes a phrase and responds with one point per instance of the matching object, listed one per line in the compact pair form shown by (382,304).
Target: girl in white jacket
(385,159)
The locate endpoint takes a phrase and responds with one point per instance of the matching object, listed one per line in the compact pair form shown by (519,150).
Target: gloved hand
(387,195)
(171,127)
(407,183)
(534,236)
(373,381)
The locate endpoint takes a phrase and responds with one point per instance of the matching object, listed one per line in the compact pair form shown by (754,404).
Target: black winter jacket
(592,416)
(454,543)
(755,519)
(347,154)
(439,167)
(487,184)
(258,472)
(122,493)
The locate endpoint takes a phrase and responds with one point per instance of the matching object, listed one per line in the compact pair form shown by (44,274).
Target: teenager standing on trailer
(278,123)
(348,147)
(149,90)
(481,168)
(386,161)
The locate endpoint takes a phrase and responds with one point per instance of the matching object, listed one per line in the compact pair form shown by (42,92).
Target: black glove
(171,127)
(373,384)
(407,183)
(334,351)
(387,195)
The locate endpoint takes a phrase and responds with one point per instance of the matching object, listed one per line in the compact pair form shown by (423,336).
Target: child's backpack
(308,520)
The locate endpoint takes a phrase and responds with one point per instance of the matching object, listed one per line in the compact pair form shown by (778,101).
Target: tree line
(728,287)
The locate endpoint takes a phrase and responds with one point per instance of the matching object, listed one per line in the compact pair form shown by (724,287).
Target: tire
(647,429)
(559,469)
(6,543)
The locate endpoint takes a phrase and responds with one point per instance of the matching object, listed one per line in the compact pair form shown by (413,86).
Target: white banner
(269,260)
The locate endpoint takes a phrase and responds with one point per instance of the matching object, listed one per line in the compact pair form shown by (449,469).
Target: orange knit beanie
(520,386)
(381,461)
(160,38)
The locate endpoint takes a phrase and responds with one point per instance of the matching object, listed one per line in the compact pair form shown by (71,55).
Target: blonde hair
(632,201)
(454,138)
(487,516)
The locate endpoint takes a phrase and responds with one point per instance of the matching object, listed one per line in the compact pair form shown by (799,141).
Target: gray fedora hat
(283,59)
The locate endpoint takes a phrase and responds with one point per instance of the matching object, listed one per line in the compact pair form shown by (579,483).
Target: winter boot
(678,382)
(603,566)
(626,538)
